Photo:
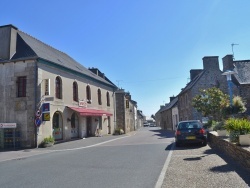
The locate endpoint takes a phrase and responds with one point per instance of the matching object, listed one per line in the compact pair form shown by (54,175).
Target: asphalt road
(130,161)
(147,158)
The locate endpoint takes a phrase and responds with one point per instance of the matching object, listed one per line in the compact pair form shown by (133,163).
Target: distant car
(146,124)
(190,131)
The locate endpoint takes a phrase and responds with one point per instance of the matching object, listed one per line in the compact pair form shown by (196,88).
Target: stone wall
(238,153)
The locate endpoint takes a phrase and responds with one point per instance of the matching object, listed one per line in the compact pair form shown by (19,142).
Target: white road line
(164,169)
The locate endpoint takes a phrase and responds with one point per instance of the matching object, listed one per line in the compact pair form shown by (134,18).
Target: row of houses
(45,92)
(180,107)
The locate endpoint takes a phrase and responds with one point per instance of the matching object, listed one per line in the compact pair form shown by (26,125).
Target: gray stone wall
(120,110)
(238,153)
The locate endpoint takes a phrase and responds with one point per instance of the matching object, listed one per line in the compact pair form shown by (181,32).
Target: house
(126,111)
(241,78)
(209,76)
(167,116)
(45,92)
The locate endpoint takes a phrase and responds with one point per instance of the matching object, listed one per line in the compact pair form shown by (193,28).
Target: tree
(152,116)
(213,102)
(210,102)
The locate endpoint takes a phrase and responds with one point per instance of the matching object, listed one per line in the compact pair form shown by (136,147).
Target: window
(75,91)
(21,86)
(58,88)
(108,99)
(99,94)
(88,94)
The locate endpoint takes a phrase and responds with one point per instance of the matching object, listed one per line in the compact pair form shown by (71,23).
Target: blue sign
(46,107)
(38,122)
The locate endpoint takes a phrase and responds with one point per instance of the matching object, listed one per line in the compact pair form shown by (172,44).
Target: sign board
(46,116)
(47,87)
(38,113)
(82,103)
(46,107)
(7,125)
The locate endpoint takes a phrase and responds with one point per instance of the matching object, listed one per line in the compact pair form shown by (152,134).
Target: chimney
(227,63)
(172,98)
(8,35)
(211,63)
(194,73)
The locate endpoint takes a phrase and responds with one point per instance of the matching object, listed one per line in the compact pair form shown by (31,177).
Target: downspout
(35,106)
(114,106)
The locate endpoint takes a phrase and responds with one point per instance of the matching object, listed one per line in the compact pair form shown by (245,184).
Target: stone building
(167,116)
(45,93)
(209,76)
(241,78)
(126,111)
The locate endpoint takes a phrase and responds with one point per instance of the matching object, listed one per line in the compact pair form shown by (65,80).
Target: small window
(88,94)
(108,99)
(21,86)
(75,92)
(99,94)
(58,87)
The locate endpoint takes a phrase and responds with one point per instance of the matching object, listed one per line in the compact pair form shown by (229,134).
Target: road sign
(38,113)
(37,122)
(7,125)
(46,116)
(46,107)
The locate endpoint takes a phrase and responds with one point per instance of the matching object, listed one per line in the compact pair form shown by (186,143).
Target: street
(144,159)
(133,161)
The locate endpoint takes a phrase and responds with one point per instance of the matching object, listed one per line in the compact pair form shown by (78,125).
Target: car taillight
(178,132)
(202,131)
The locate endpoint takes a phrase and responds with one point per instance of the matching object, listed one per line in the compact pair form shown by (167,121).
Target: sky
(146,47)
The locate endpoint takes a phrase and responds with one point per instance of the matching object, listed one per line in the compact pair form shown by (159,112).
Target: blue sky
(146,47)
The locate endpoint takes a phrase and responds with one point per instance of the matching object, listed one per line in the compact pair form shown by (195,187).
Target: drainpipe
(35,106)
(114,105)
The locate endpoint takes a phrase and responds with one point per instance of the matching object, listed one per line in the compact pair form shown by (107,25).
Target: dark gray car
(190,131)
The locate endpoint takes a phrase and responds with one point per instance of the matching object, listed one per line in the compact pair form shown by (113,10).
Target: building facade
(47,93)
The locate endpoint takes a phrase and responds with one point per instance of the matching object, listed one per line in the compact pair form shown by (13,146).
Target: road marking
(164,169)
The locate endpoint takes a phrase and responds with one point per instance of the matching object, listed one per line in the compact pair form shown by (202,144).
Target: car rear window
(189,125)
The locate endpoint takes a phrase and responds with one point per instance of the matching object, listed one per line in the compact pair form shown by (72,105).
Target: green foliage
(238,106)
(213,102)
(242,126)
(47,140)
(218,125)
(210,102)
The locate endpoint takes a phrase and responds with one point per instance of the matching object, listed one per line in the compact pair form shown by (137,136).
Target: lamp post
(229,73)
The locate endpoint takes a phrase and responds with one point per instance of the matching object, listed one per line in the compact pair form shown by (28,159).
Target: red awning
(90,112)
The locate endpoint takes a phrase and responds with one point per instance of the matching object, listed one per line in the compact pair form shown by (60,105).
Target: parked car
(145,124)
(190,131)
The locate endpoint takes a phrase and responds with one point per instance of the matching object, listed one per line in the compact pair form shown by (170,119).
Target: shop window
(75,91)
(108,99)
(99,93)
(58,88)
(21,86)
(88,94)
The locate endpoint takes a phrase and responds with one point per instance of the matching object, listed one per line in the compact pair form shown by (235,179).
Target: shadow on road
(230,166)
(163,133)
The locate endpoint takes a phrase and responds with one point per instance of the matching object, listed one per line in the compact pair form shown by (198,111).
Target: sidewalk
(6,155)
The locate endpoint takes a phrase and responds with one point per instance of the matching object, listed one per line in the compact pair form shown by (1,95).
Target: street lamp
(229,73)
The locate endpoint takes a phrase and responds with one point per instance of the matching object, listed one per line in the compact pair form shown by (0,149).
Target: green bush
(240,125)
(49,139)
(218,125)
(237,127)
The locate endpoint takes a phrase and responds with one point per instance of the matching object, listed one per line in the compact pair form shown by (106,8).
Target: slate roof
(242,69)
(192,82)
(169,105)
(29,47)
